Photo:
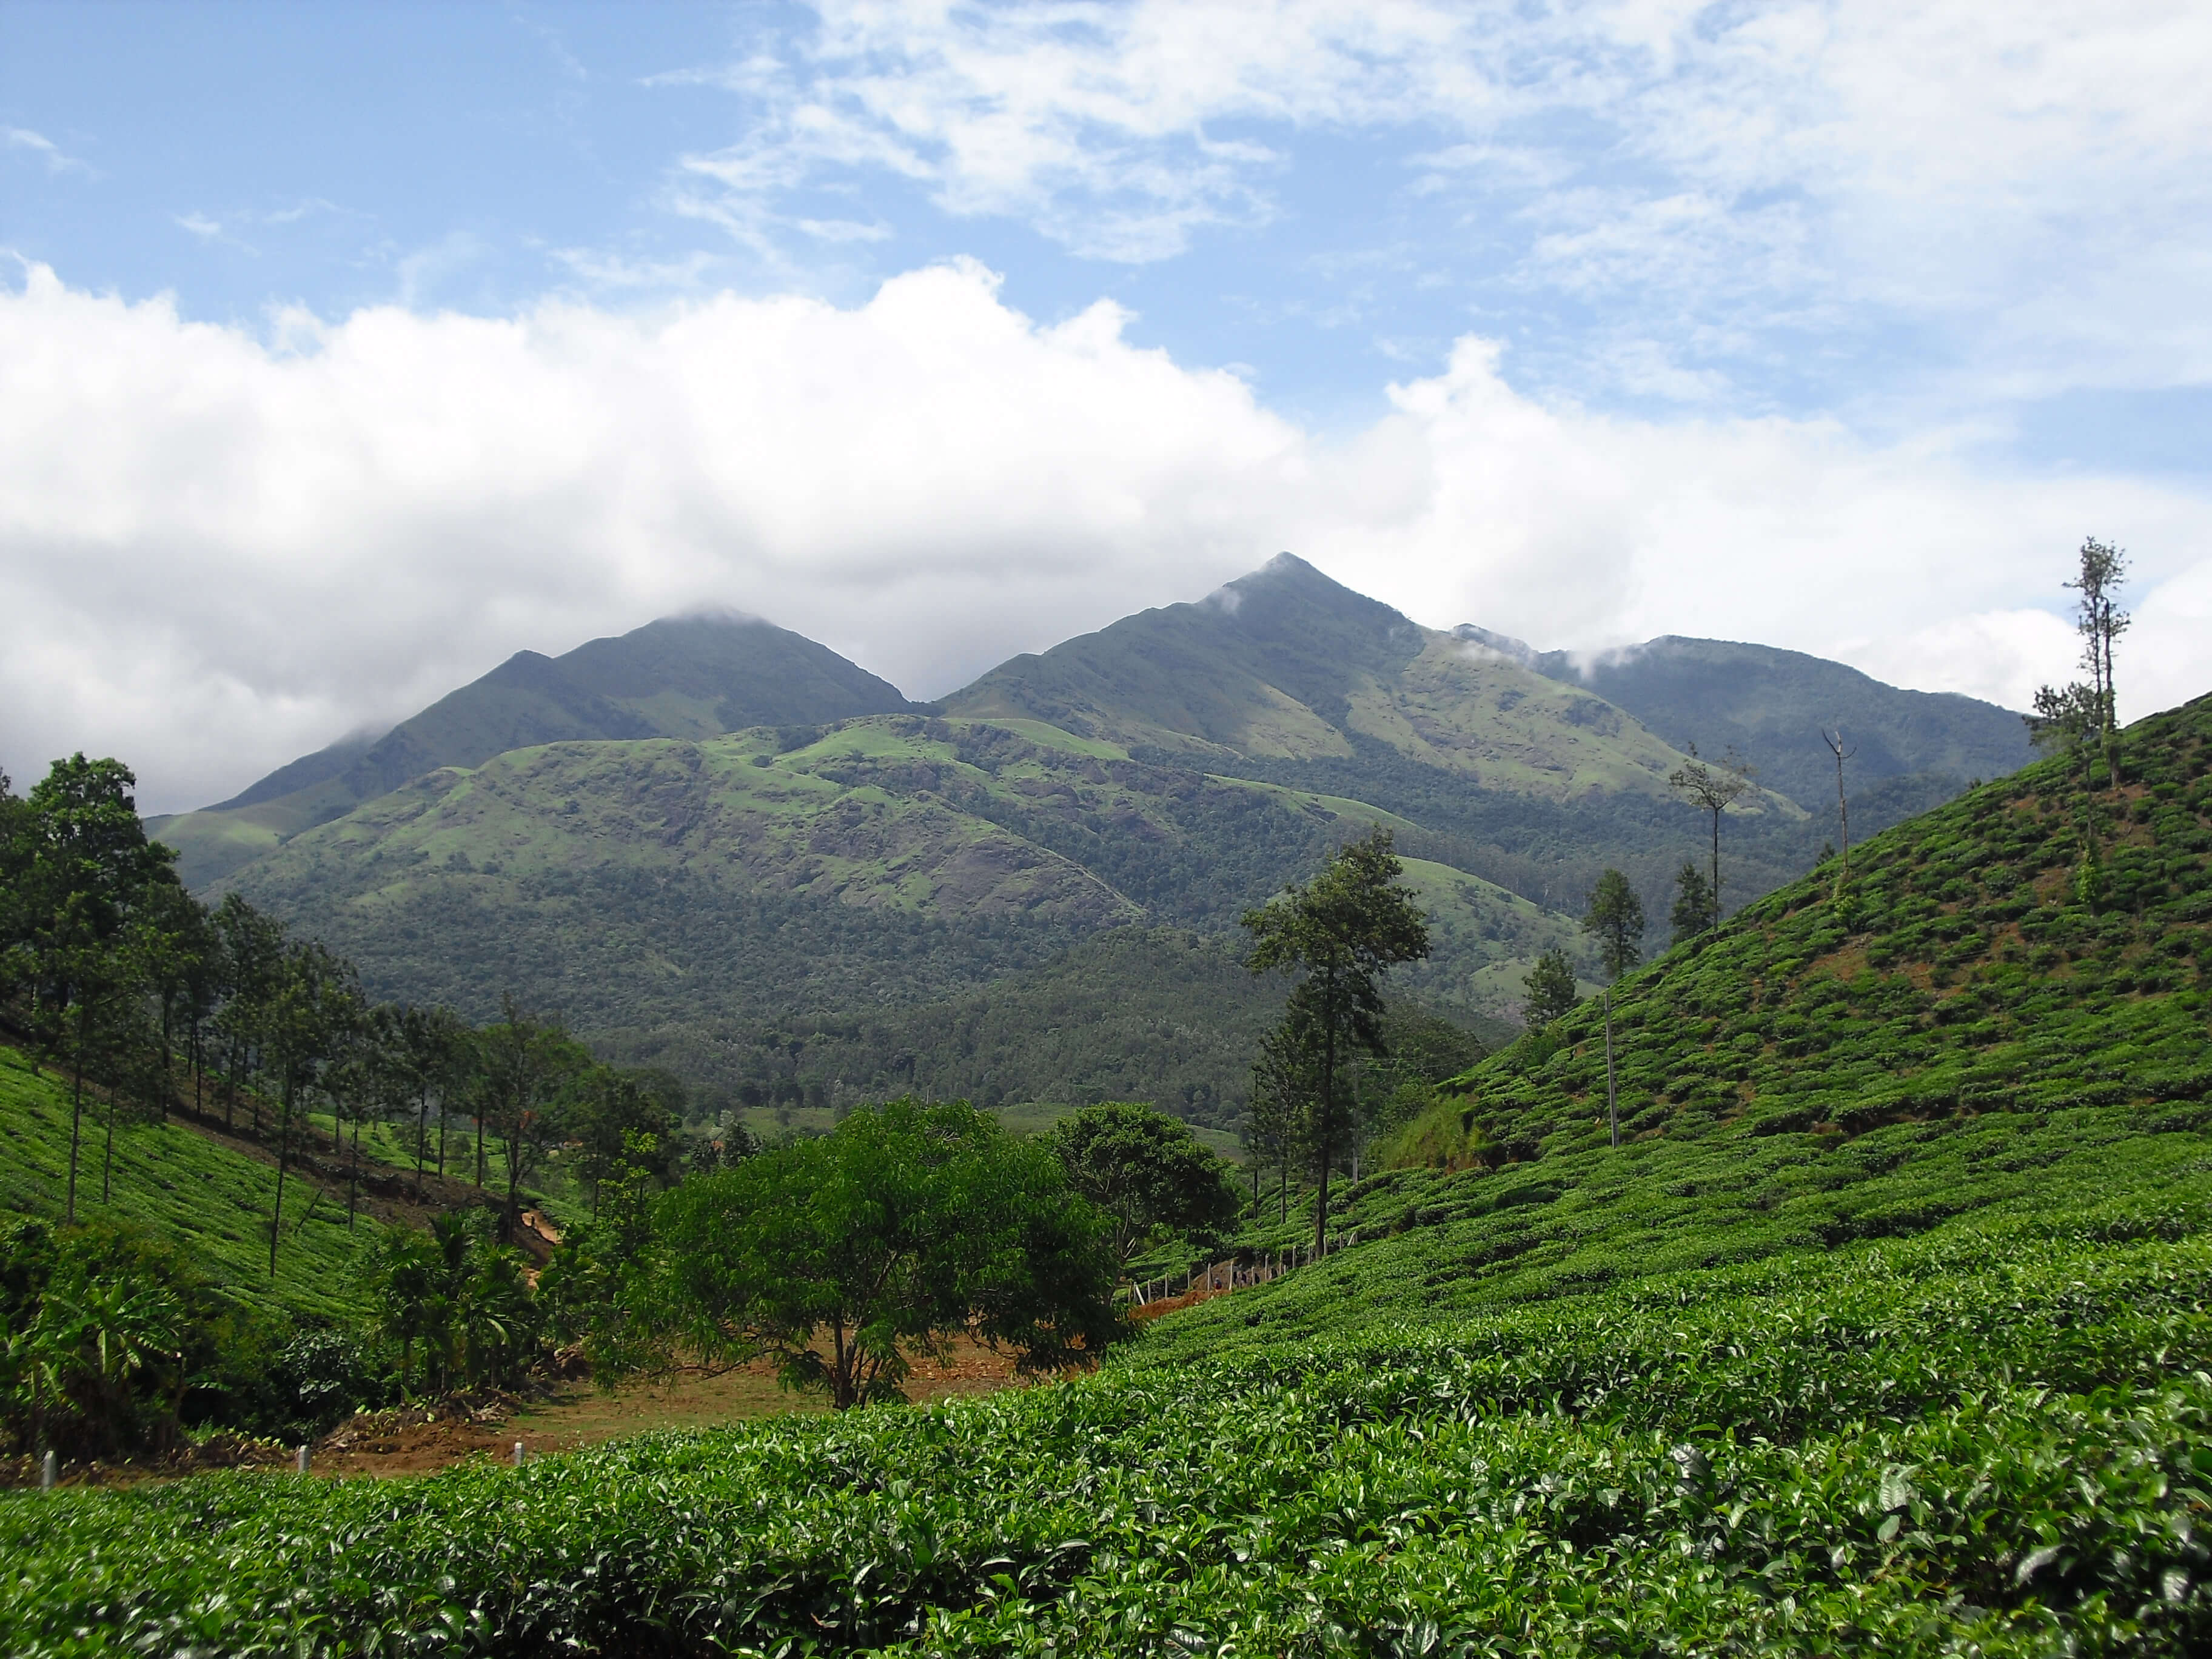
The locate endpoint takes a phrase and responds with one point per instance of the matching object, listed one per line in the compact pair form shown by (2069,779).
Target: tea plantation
(1886,1331)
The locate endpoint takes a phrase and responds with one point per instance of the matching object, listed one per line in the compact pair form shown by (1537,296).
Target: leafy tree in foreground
(1713,788)
(1341,931)
(906,1225)
(1615,917)
(1144,1170)
(1549,990)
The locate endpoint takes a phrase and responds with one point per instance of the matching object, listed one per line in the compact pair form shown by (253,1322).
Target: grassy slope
(1962,1031)
(1992,1440)
(213,1200)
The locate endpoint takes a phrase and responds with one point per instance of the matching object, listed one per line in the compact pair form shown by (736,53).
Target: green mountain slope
(689,890)
(1286,665)
(686,676)
(1772,706)
(669,897)
(1973,1024)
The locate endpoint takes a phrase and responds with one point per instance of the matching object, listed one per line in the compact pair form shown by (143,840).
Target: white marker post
(49,1471)
(299,1460)
(518,1454)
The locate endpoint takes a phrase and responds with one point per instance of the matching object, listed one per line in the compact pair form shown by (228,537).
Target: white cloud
(217,552)
(2035,177)
(38,145)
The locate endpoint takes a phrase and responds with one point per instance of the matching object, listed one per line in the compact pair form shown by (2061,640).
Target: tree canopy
(843,1257)
(1144,1170)
(1340,933)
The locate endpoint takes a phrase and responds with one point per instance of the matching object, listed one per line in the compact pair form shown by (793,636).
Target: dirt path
(383,1444)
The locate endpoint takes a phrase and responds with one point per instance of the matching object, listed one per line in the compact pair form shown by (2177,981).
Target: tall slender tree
(315,1008)
(1340,932)
(1615,919)
(1713,788)
(2100,622)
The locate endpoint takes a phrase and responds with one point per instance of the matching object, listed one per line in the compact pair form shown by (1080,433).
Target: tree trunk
(283,1147)
(1716,866)
(1612,1099)
(107,1153)
(77,1115)
(1328,1117)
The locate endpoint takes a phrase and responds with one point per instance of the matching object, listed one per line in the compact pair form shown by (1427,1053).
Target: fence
(1212,1279)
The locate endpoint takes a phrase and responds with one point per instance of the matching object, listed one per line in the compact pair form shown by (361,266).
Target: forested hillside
(812,903)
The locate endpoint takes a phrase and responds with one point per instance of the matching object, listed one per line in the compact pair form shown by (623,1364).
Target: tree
(315,1008)
(2100,622)
(1615,916)
(1549,990)
(464,1298)
(1286,1084)
(251,962)
(1144,1170)
(84,875)
(437,1056)
(1615,919)
(1713,788)
(842,1257)
(525,1067)
(2063,719)
(1694,911)
(2074,716)
(1835,742)
(1341,932)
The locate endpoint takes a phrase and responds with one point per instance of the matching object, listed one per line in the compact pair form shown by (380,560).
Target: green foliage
(1339,933)
(456,1304)
(1145,1172)
(1615,919)
(1994,1442)
(907,1224)
(1550,993)
(1692,912)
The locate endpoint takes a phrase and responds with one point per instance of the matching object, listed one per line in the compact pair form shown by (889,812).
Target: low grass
(213,1200)
(1995,1439)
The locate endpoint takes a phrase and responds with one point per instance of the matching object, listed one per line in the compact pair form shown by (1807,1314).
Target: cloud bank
(219,550)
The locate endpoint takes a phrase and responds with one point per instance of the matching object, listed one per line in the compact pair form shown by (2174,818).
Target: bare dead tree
(1835,742)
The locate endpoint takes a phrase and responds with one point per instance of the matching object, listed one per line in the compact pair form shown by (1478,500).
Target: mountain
(682,676)
(1286,665)
(670,898)
(1772,706)
(854,886)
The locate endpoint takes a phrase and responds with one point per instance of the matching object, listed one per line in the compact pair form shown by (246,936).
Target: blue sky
(1584,321)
